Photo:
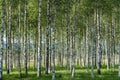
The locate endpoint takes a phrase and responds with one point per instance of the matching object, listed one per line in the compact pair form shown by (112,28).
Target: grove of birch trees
(45,34)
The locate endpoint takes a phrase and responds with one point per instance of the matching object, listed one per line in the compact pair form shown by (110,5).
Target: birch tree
(39,40)
(9,38)
(119,44)
(1,42)
(47,36)
(25,37)
(99,46)
(19,38)
(53,41)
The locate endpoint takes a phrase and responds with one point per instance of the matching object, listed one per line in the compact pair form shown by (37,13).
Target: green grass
(62,74)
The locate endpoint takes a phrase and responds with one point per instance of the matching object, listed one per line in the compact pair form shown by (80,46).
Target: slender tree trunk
(84,49)
(113,43)
(44,48)
(74,45)
(39,41)
(29,38)
(80,50)
(94,44)
(108,46)
(1,42)
(53,40)
(25,38)
(47,37)
(67,40)
(99,46)
(95,36)
(10,35)
(35,48)
(62,42)
(70,43)
(119,52)
(50,56)
(7,13)
(53,54)
(34,55)
(119,43)
(53,43)
(9,40)
(19,39)
(87,44)
(119,58)
(13,55)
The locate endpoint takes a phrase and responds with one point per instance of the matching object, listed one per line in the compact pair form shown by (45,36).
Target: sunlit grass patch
(62,74)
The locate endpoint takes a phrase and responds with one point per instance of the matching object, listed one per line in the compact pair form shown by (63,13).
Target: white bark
(53,55)
(53,42)
(1,42)
(99,46)
(39,40)
(9,40)
(47,37)
(74,45)
(25,37)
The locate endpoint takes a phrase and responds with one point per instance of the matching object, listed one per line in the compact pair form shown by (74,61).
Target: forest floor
(63,74)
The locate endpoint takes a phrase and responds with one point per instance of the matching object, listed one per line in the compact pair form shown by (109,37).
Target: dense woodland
(46,37)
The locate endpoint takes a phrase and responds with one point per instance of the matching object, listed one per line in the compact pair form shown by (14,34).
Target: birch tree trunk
(29,38)
(67,40)
(47,37)
(9,39)
(84,48)
(6,34)
(108,46)
(1,42)
(119,45)
(35,48)
(119,54)
(19,39)
(53,54)
(87,43)
(53,42)
(39,41)
(62,42)
(94,44)
(113,43)
(13,55)
(25,38)
(99,46)
(74,45)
